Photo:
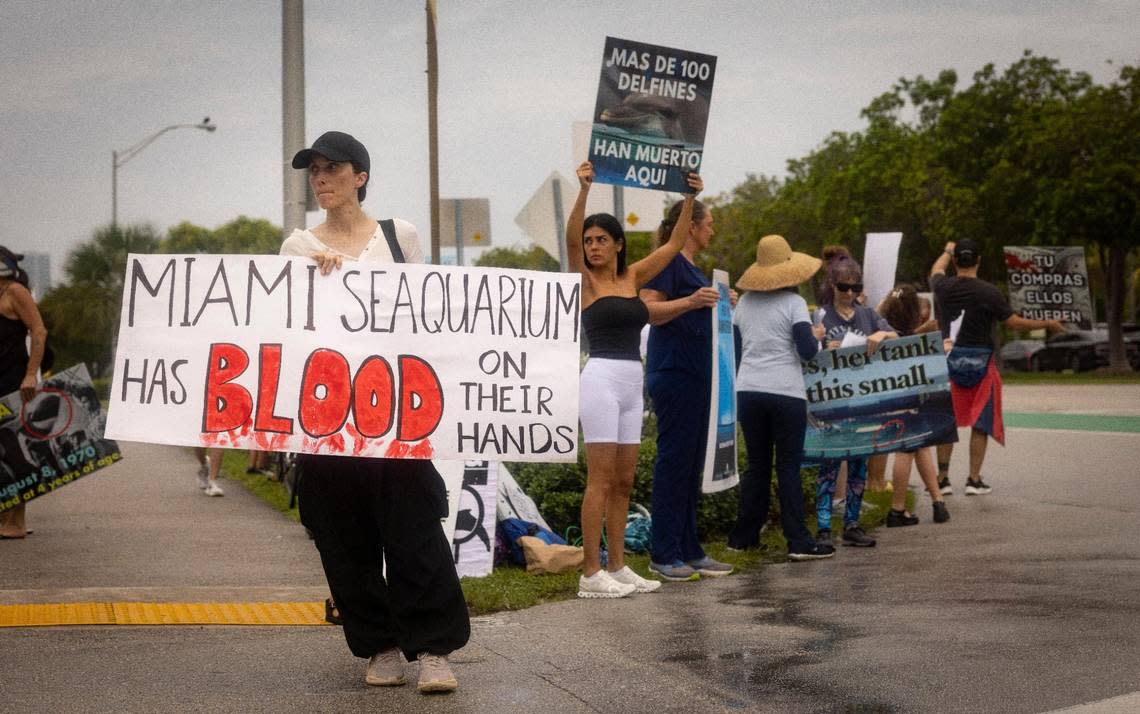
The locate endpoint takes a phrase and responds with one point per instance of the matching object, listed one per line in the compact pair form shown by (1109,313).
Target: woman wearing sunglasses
(843,318)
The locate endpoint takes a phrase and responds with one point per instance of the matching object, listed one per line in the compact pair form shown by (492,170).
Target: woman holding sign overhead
(611,390)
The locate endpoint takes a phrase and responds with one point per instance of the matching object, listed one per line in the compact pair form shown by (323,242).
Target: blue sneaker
(708,567)
(675,571)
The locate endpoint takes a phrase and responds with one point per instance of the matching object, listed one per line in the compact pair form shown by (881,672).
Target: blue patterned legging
(825,491)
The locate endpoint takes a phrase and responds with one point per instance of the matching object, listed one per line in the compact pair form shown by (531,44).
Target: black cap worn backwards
(335,146)
(966,252)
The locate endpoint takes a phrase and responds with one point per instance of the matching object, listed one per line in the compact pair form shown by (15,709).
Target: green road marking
(1075,422)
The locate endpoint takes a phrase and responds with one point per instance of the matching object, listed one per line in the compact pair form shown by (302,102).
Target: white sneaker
(640,584)
(204,474)
(601,585)
(212,489)
(385,669)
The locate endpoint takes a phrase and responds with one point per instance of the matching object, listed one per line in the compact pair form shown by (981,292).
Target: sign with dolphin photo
(651,115)
(897,398)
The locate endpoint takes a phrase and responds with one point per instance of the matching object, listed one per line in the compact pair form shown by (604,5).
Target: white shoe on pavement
(212,489)
(385,669)
(601,585)
(435,674)
(640,584)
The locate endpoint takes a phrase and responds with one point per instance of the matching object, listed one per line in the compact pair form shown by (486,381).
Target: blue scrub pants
(681,404)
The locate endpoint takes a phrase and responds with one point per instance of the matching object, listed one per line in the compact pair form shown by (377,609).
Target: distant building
(38,266)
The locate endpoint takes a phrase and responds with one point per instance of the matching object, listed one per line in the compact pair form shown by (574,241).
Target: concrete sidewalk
(1025,602)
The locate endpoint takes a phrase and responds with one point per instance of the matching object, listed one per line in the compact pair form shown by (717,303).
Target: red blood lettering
(324,414)
(267,379)
(227,406)
(421,399)
(372,402)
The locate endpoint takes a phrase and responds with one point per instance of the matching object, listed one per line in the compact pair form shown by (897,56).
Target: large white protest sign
(720,471)
(393,360)
(880,263)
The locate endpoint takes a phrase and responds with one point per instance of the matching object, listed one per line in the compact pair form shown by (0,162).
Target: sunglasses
(849,287)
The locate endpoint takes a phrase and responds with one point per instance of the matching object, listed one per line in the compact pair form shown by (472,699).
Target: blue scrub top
(685,342)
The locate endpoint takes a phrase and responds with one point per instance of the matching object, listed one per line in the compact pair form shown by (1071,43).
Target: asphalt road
(1026,601)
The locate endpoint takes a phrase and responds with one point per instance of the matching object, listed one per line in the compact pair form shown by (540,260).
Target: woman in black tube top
(611,389)
(19,319)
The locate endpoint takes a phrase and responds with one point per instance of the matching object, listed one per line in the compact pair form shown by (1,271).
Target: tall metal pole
(292,112)
(114,189)
(559,224)
(433,129)
(458,231)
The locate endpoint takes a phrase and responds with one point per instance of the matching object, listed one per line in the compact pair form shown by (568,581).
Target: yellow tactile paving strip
(274,614)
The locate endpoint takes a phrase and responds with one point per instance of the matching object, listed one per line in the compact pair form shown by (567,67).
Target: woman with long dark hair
(19,367)
(611,388)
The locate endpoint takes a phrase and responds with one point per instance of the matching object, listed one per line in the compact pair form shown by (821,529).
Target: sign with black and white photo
(651,115)
(52,440)
(1050,284)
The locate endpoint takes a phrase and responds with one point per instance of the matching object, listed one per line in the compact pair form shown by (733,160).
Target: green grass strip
(510,587)
(1074,422)
(1076,378)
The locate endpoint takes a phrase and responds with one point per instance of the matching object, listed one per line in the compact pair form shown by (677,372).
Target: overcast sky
(82,78)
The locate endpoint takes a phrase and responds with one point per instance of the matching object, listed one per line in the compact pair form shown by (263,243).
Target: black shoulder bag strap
(389,227)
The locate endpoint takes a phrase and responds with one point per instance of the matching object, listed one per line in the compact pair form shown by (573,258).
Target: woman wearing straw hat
(776,333)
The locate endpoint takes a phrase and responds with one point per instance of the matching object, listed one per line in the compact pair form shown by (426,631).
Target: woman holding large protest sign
(903,309)
(611,410)
(846,323)
(775,334)
(19,367)
(678,374)
(368,514)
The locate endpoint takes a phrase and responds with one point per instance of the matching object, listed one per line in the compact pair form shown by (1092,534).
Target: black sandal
(332,614)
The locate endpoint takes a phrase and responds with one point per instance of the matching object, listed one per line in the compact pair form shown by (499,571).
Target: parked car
(1018,355)
(1076,350)
(1131,349)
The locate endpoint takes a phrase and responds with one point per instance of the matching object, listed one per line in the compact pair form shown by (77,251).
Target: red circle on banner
(65,398)
(895,423)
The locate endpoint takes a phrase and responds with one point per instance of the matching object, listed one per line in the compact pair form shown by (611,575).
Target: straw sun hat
(777,266)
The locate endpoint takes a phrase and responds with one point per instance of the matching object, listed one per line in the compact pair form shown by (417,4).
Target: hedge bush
(557,489)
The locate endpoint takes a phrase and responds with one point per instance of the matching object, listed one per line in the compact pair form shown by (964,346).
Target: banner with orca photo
(896,399)
(1050,284)
(721,472)
(388,360)
(651,115)
(53,440)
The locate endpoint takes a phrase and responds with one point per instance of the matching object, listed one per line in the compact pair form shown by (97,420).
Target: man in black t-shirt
(967,309)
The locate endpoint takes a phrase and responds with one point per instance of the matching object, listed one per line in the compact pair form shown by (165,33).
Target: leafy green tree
(83,312)
(533,258)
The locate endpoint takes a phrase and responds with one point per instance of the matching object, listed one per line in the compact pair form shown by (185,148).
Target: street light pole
(120,158)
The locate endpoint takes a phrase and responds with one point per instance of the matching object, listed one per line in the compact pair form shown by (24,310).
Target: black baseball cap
(335,146)
(966,252)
